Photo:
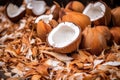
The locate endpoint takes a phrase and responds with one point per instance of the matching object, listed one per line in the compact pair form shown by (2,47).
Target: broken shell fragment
(54,10)
(99,13)
(15,13)
(65,37)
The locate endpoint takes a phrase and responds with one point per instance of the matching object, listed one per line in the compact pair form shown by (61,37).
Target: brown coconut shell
(43,29)
(77,18)
(75,6)
(116,16)
(115,31)
(95,39)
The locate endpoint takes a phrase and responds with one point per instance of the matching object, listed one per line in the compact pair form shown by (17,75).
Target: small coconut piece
(65,37)
(116,16)
(95,39)
(43,29)
(45,18)
(54,10)
(29,9)
(99,13)
(116,34)
(38,7)
(15,13)
(75,6)
(77,18)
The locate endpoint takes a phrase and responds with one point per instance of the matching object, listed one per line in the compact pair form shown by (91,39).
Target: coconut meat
(45,18)
(13,10)
(95,10)
(64,34)
(29,5)
(39,7)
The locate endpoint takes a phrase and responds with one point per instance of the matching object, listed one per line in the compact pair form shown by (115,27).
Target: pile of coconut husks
(26,55)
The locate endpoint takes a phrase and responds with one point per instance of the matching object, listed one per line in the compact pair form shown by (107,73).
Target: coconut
(65,37)
(77,18)
(95,39)
(99,13)
(14,12)
(75,6)
(116,16)
(116,34)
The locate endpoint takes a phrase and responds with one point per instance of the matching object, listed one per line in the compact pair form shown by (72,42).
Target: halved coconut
(65,38)
(38,7)
(14,12)
(98,12)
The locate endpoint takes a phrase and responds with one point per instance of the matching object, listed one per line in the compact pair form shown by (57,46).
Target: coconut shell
(106,19)
(95,39)
(77,18)
(116,34)
(75,6)
(43,29)
(54,12)
(116,16)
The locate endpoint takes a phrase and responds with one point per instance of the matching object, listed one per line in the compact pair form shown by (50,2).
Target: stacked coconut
(72,27)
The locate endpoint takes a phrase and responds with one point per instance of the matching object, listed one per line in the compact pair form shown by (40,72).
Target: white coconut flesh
(29,5)
(52,8)
(39,7)
(95,10)
(64,34)
(45,18)
(13,10)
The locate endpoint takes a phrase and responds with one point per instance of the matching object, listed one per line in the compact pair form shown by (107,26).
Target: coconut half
(65,38)
(98,12)
(14,12)
(38,7)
